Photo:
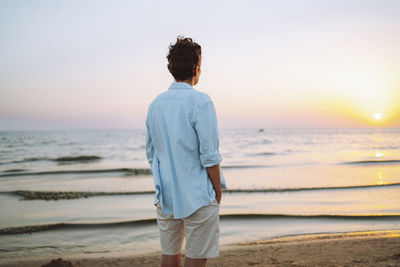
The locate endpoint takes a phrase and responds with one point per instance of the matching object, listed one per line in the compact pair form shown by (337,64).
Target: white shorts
(201,232)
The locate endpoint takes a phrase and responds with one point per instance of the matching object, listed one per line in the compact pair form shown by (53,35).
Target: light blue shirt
(182,141)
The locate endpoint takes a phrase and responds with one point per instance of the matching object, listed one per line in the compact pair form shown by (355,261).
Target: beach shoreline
(372,248)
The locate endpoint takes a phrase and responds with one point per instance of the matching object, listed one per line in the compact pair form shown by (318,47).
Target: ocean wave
(316,216)
(244,166)
(15,170)
(386,147)
(63,159)
(28,160)
(264,154)
(370,162)
(263,141)
(82,158)
(28,229)
(296,189)
(58,195)
(127,171)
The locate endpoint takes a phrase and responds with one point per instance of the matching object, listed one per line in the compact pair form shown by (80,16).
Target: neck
(188,81)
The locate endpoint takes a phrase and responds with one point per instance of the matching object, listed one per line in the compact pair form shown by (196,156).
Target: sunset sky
(98,64)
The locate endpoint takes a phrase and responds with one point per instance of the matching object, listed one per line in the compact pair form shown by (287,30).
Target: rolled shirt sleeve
(207,132)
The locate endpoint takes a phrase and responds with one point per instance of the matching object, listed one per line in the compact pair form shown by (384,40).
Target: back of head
(183,58)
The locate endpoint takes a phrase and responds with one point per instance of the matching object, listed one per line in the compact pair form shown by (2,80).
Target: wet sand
(378,248)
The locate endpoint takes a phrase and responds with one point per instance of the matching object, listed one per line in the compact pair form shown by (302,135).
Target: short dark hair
(183,58)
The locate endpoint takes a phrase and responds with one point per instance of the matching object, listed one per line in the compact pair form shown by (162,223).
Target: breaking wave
(57,195)
(28,229)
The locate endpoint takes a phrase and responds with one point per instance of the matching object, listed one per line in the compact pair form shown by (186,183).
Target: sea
(81,193)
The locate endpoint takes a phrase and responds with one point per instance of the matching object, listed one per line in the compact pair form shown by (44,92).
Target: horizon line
(223,128)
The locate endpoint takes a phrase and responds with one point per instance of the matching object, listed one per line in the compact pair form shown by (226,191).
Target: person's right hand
(218,196)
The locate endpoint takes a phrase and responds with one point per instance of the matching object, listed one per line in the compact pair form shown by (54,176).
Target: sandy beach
(378,248)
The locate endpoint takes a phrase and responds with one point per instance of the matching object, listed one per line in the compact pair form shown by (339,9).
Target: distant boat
(261,130)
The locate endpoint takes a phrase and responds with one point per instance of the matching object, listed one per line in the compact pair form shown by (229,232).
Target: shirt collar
(180,85)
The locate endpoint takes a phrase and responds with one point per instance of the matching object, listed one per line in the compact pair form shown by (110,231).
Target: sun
(378,116)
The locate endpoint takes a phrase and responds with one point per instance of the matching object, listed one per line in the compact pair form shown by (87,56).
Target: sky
(266,64)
